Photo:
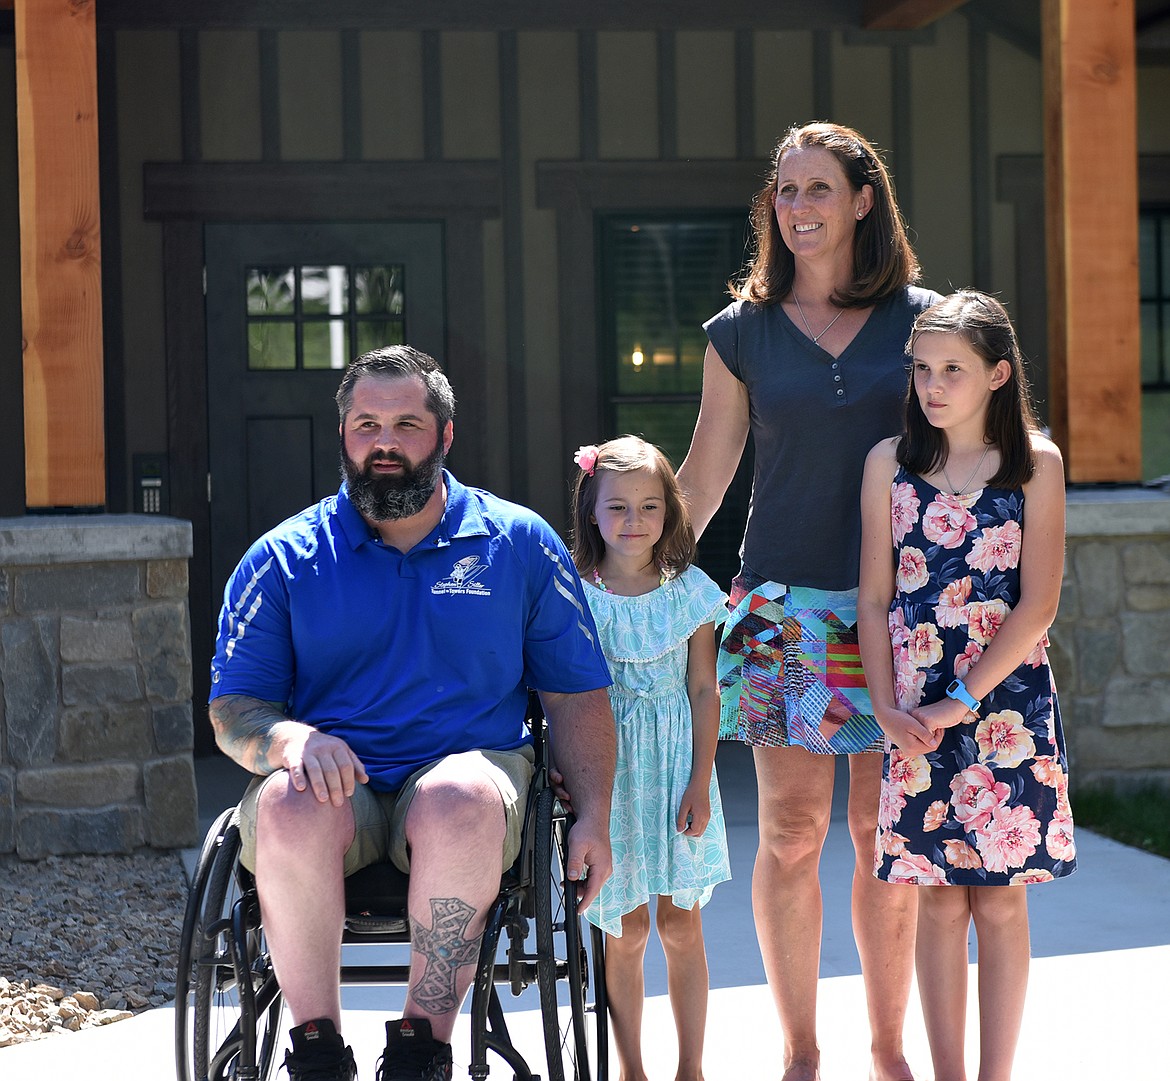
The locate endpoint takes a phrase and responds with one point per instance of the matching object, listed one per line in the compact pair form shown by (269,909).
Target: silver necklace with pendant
(978,466)
(815,337)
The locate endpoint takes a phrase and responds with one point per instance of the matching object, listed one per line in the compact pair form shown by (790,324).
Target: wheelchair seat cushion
(377,890)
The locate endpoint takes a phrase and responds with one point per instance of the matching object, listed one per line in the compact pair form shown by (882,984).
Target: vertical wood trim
(667,96)
(118,500)
(432,78)
(466,362)
(979,86)
(1090,119)
(587,94)
(269,95)
(745,95)
(903,128)
(1051,59)
(1019,180)
(186,352)
(511,177)
(191,121)
(581,386)
(822,75)
(60,253)
(351,95)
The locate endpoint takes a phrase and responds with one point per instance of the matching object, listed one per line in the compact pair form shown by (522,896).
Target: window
(320,316)
(1154,258)
(661,278)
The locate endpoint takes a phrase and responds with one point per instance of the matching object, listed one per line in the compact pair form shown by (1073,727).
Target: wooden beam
(291,191)
(1091,195)
(60,253)
(904,14)
(492,15)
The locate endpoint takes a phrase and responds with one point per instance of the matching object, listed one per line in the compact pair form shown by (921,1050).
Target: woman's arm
(717,445)
(874,595)
(1041,572)
(703,692)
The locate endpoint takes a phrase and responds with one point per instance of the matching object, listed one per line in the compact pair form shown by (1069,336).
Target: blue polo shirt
(408,657)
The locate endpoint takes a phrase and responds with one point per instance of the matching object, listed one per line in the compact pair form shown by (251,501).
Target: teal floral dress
(645,642)
(989,806)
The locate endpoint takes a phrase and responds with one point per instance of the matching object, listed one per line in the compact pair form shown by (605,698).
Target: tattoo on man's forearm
(260,763)
(244,726)
(445,946)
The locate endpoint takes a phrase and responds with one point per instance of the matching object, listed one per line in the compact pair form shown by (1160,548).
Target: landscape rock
(86,940)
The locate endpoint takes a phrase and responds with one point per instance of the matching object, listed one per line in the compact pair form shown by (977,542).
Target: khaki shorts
(380,817)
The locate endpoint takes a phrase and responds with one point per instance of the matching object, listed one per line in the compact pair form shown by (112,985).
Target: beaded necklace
(600,582)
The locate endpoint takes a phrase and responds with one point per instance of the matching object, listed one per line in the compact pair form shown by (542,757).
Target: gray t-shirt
(814,419)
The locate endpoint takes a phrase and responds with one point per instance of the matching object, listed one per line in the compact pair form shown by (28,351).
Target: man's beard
(385,499)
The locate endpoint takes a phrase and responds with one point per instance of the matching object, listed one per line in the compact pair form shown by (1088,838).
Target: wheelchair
(228,1004)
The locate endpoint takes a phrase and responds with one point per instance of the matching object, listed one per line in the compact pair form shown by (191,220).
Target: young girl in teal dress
(959,584)
(656,616)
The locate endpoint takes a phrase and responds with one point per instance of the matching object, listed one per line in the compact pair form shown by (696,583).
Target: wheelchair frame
(226,981)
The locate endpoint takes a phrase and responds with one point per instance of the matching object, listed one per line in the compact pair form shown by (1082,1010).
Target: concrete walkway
(1098,1000)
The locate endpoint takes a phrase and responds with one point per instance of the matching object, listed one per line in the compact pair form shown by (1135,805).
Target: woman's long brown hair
(883,261)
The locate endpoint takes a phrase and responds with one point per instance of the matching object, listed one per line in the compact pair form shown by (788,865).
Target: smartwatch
(958,691)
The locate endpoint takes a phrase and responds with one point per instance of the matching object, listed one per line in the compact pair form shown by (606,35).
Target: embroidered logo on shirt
(463,579)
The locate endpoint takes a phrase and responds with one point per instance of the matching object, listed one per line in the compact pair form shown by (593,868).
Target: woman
(810,359)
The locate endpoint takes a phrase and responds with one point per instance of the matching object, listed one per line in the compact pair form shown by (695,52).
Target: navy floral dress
(988,807)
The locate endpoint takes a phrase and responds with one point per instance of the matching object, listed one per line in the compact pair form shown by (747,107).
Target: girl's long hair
(883,261)
(982,322)
(675,549)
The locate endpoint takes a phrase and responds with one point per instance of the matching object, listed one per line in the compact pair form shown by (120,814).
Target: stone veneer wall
(95,685)
(1111,639)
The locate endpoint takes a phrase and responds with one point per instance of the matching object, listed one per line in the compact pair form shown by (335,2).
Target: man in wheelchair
(372,665)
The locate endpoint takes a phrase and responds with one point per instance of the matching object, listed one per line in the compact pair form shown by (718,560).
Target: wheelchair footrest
(361,924)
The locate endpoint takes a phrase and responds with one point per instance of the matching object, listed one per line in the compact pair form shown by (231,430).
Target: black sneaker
(318,1054)
(413,1054)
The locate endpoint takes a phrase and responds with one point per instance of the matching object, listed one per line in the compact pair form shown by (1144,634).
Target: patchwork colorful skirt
(790,669)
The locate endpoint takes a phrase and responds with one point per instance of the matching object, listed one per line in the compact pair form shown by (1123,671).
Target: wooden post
(1090,155)
(60,253)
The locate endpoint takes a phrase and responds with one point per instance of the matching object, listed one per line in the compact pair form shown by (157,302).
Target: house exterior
(550,198)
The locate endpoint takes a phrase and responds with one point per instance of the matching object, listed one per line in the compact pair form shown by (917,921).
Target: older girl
(963,552)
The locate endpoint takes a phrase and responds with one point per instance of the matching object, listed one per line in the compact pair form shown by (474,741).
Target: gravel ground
(86,940)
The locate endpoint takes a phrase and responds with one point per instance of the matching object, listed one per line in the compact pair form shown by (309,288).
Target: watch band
(958,691)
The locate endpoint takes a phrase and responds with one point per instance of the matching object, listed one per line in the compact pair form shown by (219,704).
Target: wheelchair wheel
(236,1030)
(184,972)
(575,1032)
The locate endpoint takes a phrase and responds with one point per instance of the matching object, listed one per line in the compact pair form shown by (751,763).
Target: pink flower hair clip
(586,458)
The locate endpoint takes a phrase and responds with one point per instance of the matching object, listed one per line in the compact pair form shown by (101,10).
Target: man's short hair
(397,362)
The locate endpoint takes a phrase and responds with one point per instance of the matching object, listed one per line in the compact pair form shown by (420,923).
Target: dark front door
(287,307)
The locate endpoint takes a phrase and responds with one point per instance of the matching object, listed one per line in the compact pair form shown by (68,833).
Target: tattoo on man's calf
(445,946)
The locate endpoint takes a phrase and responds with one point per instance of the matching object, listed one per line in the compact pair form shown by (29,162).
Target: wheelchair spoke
(226,1045)
(576,1037)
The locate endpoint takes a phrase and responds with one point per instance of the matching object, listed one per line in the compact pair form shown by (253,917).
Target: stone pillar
(95,685)
(1111,639)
